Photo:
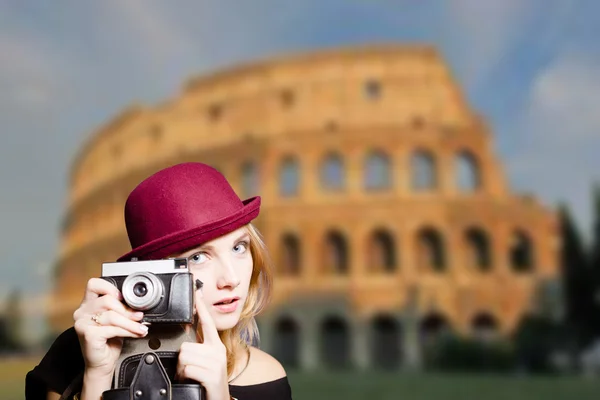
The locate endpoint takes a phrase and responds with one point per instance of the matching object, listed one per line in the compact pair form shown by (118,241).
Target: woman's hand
(101,321)
(205,362)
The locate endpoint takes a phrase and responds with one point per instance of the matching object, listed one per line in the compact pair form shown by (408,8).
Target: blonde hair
(245,332)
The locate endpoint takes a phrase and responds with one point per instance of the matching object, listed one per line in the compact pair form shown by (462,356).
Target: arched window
(424,173)
(289,177)
(287,98)
(289,263)
(335,342)
(484,327)
(336,253)
(430,251)
(156,131)
(377,174)
(434,327)
(287,342)
(478,252)
(468,174)
(521,252)
(386,340)
(332,173)
(372,89)
(249,179)
(381,252)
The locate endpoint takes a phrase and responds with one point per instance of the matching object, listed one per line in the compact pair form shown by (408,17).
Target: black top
(63,363)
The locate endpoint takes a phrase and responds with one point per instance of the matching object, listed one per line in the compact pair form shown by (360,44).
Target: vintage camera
(162,289)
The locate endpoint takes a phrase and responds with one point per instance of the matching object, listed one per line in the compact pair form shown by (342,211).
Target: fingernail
(199,284)
(138,315)
(143,329)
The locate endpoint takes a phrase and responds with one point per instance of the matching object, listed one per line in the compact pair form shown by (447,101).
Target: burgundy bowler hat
(181,207)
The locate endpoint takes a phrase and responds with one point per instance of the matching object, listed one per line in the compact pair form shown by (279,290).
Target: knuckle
(108,317)
(186,346)
(78,326)
(108,301)
(91,282)
(114,303)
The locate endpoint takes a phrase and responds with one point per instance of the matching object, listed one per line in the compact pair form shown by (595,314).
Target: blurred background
(429,176)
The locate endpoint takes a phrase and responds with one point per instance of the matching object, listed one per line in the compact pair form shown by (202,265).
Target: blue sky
(531,67)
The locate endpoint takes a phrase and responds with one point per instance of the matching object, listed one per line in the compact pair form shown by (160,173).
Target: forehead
(229,237)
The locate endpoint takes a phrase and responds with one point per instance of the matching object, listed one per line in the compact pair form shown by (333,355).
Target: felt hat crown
(181,207)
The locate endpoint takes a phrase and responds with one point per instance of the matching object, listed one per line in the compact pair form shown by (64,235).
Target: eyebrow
(209,247)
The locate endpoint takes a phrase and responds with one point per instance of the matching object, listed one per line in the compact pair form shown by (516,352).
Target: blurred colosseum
(385,208)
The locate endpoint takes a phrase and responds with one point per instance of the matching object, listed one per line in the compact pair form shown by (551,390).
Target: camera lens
(142,290)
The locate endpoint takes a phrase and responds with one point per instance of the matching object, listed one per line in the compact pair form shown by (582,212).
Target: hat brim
(178,242)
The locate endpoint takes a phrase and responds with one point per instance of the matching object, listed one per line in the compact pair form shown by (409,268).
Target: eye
(197,258)
(241,247)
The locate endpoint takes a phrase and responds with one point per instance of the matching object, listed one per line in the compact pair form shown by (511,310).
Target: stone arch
(336,254)
(484,326)
(468,173)
(381,251)
(286,343)
(290,254)
(430,250)
(386,342)
(424,170)
(378,171)
(478,253)
(335,343)
(332,172)
(521,252)
(433,327)
(250,180)
(289,177)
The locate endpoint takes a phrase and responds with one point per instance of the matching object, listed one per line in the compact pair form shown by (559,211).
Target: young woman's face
(224,265)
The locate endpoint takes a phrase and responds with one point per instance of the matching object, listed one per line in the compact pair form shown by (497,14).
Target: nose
(228,276)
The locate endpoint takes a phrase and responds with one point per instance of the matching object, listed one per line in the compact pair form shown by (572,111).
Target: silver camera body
(161,289)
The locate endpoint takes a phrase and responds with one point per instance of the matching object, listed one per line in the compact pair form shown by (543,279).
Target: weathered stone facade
(384,205)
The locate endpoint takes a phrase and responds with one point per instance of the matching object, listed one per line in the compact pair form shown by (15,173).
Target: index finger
(209,330)
(97,287)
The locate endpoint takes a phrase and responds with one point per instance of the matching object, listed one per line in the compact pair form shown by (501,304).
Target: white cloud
(486,31)
(568,94)
(151,28)
(27,74)
(560,134)
(483,34)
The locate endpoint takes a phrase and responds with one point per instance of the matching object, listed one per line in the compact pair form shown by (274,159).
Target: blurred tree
(4,337)
(594,263)
(14,321)
(536,337)
(578,287)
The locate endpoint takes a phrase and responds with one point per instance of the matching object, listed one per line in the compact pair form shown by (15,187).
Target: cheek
(246,274)
(207,279)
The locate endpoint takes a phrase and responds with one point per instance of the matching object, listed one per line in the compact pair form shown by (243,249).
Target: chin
(225,322)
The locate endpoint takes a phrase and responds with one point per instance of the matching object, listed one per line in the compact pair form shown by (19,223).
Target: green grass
(12,377)
(385,386)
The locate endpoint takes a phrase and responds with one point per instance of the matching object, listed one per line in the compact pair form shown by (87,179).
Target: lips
(227,305)
(227,300)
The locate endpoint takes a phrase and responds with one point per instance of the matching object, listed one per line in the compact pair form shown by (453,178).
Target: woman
(188,210)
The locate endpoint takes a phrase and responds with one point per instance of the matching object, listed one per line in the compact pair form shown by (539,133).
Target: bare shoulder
(262,368)
(52,395)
